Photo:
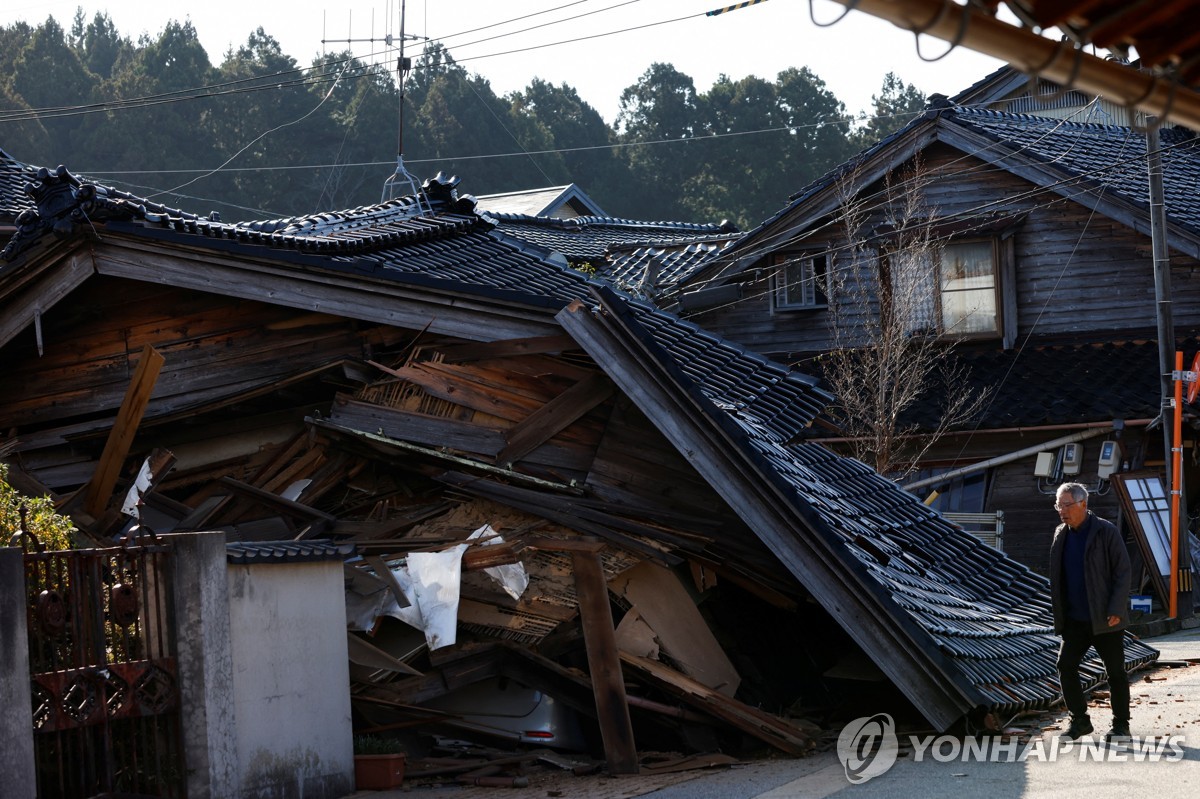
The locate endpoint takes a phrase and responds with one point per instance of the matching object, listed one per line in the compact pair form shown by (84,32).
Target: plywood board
(668,609)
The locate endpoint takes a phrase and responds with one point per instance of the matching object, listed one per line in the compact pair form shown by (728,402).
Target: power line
(522,153)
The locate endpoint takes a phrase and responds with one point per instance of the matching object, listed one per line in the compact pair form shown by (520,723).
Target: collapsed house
(404,375)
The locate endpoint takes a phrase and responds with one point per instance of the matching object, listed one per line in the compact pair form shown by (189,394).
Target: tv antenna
(401,176)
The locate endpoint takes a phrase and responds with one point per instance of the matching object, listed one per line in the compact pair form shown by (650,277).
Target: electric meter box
(1107,463)
(1044,465)
(1072,462)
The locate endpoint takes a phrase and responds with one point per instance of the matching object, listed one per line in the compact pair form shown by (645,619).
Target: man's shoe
(1079,727)
(1120,729)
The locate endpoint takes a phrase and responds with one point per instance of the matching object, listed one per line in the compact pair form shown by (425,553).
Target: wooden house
(395,374)
(1043,283)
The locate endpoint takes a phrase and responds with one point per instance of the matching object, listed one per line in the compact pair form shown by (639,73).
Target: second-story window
(968,288)
(955,295)
(800,281)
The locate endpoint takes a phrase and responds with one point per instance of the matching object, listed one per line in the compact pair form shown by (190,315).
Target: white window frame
(997,308)
(812,281)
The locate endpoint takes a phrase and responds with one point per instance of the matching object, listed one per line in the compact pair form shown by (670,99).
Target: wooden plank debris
(612,709)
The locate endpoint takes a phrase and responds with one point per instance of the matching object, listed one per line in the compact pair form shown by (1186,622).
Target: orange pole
(1176,469)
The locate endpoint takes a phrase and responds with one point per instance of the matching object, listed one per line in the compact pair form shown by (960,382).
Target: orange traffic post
(1176,482)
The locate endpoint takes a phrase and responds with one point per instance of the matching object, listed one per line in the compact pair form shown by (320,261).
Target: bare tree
(888,349)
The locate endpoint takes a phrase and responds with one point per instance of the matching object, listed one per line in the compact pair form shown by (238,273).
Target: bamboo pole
(1059,62)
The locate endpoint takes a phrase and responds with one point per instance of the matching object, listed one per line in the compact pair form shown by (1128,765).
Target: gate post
(16,722)
(203,645)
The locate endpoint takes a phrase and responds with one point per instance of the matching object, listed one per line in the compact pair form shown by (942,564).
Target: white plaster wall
(291,680)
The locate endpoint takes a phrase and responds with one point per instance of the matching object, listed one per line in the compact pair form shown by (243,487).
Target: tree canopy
(260,135)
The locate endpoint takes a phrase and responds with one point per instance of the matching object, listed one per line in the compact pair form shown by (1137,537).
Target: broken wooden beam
(120,437)
(767,728)
(554,417)
(477,351)
(612,707)
(276,502)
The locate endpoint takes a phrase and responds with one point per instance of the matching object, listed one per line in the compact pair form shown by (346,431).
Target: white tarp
(431,582)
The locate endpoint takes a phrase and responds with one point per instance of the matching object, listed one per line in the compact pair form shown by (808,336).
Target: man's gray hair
(1078,491)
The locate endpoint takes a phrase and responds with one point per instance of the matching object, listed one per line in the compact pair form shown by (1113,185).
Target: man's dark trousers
(1076,638)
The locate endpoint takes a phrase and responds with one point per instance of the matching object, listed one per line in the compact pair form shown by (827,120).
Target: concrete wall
(205,664)
(291,680)
(16,721)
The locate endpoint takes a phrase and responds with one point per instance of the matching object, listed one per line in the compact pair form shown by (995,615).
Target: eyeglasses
(1058,506)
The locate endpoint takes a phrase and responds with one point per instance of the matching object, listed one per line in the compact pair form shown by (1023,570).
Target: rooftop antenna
(401,177)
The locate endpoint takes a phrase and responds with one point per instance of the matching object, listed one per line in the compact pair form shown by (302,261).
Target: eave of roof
(257,553)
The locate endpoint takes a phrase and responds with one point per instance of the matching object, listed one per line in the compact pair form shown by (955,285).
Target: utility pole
(1166,350)
(401,177)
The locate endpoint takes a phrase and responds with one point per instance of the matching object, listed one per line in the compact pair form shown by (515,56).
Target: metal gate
(104,678)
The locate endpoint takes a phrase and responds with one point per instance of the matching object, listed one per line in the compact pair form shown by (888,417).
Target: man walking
(1089,592)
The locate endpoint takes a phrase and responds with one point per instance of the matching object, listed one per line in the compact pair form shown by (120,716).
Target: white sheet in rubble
(130,508)
(436,580)
(431,582)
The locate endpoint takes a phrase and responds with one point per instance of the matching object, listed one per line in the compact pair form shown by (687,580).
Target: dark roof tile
(260,552)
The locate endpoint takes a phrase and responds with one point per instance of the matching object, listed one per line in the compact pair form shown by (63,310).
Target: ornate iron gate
(104,678)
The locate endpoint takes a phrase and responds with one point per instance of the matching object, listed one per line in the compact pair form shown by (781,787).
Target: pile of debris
(628,589)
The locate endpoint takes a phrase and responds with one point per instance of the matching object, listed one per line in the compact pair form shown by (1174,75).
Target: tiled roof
(588,238)
(1100,155)
(1087,155)
(1061,384)
(13,177)
(1045,385)
(669,262)
(263,552)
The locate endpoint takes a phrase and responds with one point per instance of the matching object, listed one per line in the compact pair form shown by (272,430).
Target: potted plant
(378,762)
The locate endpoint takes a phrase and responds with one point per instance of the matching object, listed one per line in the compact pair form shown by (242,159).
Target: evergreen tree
(580,134)
(897,104)
(159,135)
(48,76)
(661,107)
(364,112)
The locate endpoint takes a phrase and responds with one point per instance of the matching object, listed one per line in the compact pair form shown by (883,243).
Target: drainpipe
(1082,435)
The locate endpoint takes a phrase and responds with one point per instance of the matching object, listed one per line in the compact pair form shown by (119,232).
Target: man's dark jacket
(1106,573)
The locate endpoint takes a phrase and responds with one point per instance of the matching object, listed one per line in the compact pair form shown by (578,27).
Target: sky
(852,56)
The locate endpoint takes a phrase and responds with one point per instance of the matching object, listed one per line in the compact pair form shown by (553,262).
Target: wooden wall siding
(213,345)
(636,466)
(1077,273)
(1029,516)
